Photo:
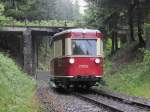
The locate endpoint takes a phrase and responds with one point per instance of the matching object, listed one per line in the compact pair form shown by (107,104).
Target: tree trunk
(113,44)
(139,23)
(141,40)
(116,40)
(130,22)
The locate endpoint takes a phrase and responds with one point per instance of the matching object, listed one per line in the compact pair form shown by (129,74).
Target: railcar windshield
(84,47)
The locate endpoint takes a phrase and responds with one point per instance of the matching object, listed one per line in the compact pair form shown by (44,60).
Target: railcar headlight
(71,60)
(97,60)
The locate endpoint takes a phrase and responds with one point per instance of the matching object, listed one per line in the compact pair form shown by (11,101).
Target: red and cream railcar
(77,57)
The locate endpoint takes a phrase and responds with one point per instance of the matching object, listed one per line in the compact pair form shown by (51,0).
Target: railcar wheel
(66,86)
(58,84)
(87,87)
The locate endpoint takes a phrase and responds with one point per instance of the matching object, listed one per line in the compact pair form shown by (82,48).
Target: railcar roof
(80,30)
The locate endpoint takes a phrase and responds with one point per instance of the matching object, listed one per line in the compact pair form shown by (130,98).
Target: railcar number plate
(83,66)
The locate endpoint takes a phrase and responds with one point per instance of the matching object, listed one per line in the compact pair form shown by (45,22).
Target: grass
(132,79)
(17,89)
(147,26)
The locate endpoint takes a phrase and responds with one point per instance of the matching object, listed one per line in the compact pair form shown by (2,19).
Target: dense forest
(39,12)
(40,9)
(117,17)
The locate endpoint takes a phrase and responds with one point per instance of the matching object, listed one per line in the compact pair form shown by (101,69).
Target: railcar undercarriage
(75,82)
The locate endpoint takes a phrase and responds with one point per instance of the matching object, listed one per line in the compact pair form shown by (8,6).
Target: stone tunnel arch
(23,42)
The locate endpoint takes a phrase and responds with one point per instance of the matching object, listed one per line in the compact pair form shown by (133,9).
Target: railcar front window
(84,47)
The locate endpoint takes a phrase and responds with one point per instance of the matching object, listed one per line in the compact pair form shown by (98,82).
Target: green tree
(76,12)
(41,9)
(65,10)
(116,14)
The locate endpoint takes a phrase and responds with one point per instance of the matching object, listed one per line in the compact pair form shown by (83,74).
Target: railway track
(142,103)
(113,102)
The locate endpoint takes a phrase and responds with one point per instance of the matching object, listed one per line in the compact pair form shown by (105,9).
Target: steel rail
(90,100)
(98,103)
(113,103)
(128,100)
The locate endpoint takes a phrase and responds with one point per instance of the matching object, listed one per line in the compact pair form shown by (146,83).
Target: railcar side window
(58,48)
(84,47)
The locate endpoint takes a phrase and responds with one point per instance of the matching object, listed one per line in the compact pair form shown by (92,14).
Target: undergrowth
(17,89)
(132,79)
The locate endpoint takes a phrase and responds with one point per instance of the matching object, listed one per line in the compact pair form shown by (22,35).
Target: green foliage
(16,88)
(108,45)
(109,13)
(44,55)
(41,9)
(146,60)
(90,18)
(147,27)
(39,13)
(1,8)
(4,21)
(132,79)
(2,17)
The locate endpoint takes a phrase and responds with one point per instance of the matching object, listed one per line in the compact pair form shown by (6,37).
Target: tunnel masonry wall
(27,51)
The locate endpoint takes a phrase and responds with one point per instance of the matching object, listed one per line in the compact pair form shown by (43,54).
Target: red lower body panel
(82,67)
